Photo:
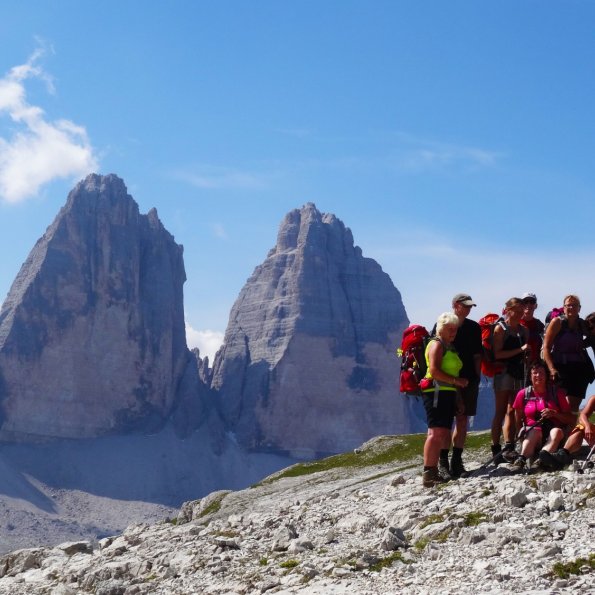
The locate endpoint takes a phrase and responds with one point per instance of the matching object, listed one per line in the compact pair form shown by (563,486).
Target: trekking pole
(586,462)
(499,454)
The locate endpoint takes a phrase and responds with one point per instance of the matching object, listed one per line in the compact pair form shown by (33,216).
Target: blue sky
(455,139)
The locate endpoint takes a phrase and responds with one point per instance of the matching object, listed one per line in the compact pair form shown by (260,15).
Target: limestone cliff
(308,360)
(92,337)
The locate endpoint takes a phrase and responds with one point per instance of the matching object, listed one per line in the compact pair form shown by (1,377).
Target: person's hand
(461,382)
(590,434)
(554,375)
(548,413)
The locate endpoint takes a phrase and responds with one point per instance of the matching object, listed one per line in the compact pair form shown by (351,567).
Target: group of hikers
(540,376)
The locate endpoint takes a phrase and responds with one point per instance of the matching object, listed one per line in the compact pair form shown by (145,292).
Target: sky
(455,139)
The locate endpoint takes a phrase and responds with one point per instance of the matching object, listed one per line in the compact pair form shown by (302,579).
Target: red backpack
(489,366)
(413,360)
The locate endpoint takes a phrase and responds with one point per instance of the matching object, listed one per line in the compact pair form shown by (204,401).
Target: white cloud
(39,150)
(207,341)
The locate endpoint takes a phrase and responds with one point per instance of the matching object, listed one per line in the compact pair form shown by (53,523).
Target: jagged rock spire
(308,360)
(92,337)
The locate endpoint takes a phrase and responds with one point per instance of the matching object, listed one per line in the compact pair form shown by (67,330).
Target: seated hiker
(584,430)
(439,389)
(543,410)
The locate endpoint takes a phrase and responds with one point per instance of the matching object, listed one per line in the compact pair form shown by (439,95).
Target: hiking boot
(431,478)
(549,461)
(444,470)
(518,466)
(536,466)
(563,457)
(496,454)
(457,469)
(510,456)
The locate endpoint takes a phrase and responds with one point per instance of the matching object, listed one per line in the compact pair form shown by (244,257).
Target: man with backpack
(468,345)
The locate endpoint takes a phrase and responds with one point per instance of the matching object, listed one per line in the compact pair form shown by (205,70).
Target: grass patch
(477,440)
(289,564)
(214,506)
(384,450)
(443,535)
(420,544)
(565,569)
(386,562)
(387,450)
(263,562)
(472,519)
(430,520)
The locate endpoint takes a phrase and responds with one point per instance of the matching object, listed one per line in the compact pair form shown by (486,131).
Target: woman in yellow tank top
(440,393)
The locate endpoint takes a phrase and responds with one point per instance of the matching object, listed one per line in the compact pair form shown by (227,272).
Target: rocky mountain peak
(308,359)
(92,335)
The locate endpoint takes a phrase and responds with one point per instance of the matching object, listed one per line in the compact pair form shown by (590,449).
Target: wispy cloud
(214,177)
(417,154)
(219,231)
(490,274)
(36,151)
(206,341)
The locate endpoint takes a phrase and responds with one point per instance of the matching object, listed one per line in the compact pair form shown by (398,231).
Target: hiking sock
(496,449)
(426,468)
(509,446)
(444,456)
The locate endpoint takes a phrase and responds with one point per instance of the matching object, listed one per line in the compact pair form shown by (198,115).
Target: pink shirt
(537,402)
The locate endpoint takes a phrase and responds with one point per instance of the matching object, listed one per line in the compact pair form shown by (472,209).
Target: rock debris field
(355,523)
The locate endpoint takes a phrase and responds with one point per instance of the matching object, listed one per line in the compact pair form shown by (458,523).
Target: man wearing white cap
(468,345)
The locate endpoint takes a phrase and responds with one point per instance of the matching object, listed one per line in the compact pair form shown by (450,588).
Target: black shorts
(469,396)
(574,378)
(443,415)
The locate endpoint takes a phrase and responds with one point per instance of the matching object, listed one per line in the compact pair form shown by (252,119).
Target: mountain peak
(307,363)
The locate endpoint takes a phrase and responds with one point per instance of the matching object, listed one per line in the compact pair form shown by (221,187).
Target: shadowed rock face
(308,361)
(92,337)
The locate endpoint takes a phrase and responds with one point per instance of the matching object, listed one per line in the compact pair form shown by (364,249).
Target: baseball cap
(463,298)
(529,297)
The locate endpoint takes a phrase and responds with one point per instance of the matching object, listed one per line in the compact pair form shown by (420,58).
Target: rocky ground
(356,523)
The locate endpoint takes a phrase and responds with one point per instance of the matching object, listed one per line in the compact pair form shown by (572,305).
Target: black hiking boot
(563,457)
(549,461)
(496,454)
(457,469)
